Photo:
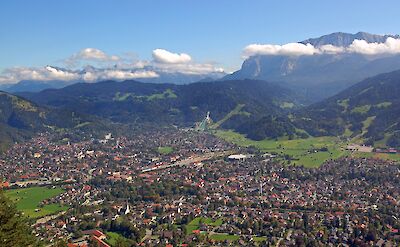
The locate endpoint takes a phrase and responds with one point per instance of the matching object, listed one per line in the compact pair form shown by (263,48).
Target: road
(188,161)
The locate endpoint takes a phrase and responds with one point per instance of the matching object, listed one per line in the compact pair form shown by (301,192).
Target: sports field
(28,201)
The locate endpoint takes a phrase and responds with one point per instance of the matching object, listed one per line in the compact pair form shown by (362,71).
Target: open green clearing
(287,105)
(383,156)
(361,109)
(384,104)
(302,151)
(28,200)
(167,94)
(165,150)
(259,239)
(223,237)
(112,238)
(236,111)
(196,222)
(307,151)
(122,97)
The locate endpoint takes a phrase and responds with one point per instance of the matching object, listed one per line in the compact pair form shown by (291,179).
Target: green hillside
(368,112)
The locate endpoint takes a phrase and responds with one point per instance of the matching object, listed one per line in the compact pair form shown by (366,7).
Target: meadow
(196,222)
(28,201)
(307,152)
(113,237)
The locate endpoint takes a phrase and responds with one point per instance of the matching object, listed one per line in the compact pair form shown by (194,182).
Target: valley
(300,146)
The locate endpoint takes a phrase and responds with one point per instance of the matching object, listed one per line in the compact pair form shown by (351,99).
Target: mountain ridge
(320,75)
(368,111)
(182,105)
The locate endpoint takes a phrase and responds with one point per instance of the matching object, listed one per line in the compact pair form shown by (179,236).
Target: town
(180,187)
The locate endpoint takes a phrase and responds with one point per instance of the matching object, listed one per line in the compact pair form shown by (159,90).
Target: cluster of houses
(254,196)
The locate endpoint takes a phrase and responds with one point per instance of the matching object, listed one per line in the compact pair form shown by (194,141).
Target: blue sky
(37,33)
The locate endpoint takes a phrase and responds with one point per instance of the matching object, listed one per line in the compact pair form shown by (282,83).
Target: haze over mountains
(266,98)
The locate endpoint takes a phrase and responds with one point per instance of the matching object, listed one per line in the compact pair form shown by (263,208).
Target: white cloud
(169,62)
(125,75)
(390,46)
(164,56)
(190,68)
(91,54)
(290,49)
(331,49)
(47,73)
(58,74)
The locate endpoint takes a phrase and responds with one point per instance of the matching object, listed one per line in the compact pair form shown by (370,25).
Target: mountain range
(366,111)
(233,104)
(21,119)
(320,75)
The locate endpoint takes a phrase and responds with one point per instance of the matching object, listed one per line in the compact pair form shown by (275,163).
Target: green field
(28,200)
(223,237)
(302,151)
(196,222)
(112,238)
(382,156)
(167,94)
(259,239)
(165,150)
(361,109)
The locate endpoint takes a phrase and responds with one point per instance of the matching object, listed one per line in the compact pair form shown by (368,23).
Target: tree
(14,230)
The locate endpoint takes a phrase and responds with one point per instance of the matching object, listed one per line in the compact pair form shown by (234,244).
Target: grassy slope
(234,112)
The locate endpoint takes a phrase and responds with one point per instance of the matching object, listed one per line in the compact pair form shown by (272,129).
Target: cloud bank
(50,73)
(98,65)
(390,46)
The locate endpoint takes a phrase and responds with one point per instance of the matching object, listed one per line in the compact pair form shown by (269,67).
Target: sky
(211,33)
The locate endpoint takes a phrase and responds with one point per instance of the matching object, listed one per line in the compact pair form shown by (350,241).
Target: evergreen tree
(14,230)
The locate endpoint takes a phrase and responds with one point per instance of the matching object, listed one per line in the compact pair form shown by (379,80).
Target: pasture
(28,201)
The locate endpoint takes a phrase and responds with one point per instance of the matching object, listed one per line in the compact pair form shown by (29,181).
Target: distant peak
(345,39)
